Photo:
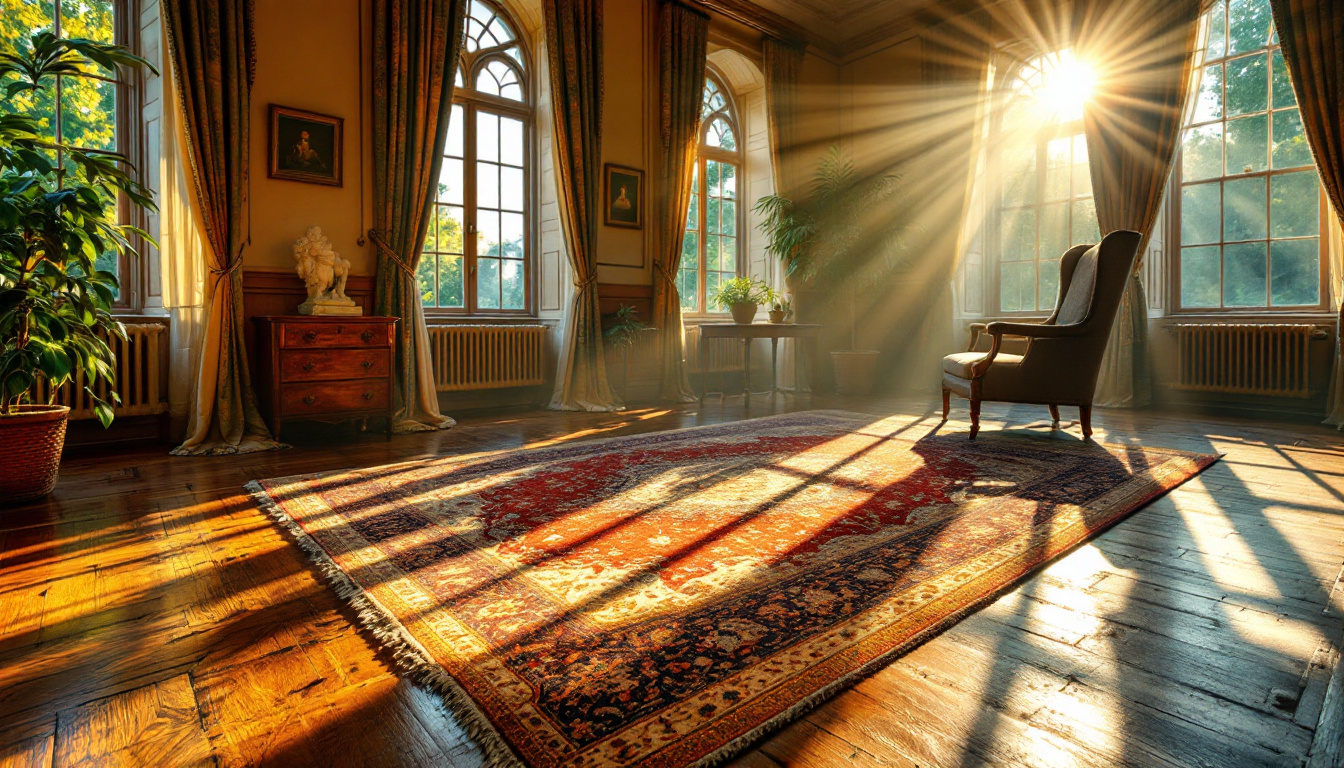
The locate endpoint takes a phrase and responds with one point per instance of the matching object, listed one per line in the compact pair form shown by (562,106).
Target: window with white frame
(1249,210)
(83,112)
(1044,204)
(711,250)
(477,249)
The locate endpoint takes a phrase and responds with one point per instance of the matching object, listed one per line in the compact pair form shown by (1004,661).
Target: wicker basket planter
(855,371)
(33,439)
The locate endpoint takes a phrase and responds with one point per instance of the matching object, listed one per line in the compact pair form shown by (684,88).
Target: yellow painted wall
(308,58)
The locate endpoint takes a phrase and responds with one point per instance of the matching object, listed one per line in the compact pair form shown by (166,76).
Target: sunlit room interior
(674,383)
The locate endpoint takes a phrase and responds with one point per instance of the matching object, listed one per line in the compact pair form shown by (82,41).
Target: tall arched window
(1249,206)
(477,247)
(711,250)
(1045,201)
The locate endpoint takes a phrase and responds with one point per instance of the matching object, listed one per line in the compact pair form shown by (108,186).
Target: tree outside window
(711,249)
(1250,203)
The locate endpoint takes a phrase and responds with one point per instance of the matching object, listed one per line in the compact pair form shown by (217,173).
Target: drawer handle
(368,395)
(309,366)
(367,336)
(310,336)
(309,399)
(367,364)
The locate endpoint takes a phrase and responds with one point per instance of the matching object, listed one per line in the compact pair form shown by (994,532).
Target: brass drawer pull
(309,399)
(310,336)
(367,336)
(368,395)
(367,364)
(309,366)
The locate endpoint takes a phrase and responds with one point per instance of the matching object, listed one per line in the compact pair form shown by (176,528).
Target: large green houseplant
(844,238)
(58,215)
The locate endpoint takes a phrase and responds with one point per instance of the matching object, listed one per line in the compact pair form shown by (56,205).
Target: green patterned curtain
(781,64)
(210,42)
(574,54)
(683,40)
(1143,53)
(1311,33)
(415,49)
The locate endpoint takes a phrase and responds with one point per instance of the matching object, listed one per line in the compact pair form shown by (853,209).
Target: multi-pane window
(711,248)
(78,111)
(1045,201)
(476,248)
(1249,195)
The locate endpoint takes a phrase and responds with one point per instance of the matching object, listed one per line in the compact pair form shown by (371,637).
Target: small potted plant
(621,334)
(742,296)
(56,221)
(780,308)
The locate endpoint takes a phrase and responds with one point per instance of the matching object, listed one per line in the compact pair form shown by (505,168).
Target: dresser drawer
(333,397)
(321,365)
(335,334)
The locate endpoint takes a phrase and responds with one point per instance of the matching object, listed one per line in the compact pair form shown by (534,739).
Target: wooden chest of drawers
(324,368)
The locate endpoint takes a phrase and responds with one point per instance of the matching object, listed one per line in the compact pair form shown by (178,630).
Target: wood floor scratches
(150,614)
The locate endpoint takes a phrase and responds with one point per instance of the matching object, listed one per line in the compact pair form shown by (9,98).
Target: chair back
(1092,281)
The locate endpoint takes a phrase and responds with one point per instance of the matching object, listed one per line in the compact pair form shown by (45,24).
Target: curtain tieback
(584,285)
(220,274)
(670,275)
(378,240)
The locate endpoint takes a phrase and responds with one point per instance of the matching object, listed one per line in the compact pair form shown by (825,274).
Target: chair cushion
(1079,298)
(960,363)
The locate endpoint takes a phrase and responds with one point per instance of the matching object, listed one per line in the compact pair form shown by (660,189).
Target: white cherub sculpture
(324,274)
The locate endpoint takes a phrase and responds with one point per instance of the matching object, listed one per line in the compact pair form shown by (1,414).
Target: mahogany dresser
(324,368)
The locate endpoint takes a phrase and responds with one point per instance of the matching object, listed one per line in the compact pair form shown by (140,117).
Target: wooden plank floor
(151,615)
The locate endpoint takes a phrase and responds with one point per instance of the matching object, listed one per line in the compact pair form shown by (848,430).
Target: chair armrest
(1034,330)
(975,330)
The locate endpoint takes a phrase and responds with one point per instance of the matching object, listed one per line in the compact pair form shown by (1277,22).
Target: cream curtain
(181,258)
(210,42)
(1144,52)
(574,57)
(683,40)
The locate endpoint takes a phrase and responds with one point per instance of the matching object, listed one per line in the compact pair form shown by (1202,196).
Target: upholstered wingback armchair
(1063,354)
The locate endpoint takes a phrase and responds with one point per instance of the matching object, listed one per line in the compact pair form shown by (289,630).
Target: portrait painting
(624,197)
(305,146)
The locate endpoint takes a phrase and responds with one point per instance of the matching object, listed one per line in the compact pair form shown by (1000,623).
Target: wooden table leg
(746,370)
(774,367)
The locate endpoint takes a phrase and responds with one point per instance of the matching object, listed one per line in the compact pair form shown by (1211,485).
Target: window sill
(489,320)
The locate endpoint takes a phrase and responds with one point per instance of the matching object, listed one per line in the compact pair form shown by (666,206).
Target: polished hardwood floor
(150,615)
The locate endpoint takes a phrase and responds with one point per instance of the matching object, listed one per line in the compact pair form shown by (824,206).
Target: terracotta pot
(33,438)
(743,314)
(855,371)
(777,316)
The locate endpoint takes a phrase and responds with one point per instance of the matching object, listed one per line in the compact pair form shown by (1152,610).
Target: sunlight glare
(1067,85)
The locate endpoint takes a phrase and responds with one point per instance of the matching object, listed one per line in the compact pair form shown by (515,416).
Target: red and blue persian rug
(666,599)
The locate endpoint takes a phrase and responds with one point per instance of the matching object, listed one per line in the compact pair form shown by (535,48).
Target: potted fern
(58,215)
(741,296)
(841,240)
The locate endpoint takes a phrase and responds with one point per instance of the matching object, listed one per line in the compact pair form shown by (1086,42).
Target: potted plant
(58,216)
(780,307)
(841,240)
(621,334)
(742,296)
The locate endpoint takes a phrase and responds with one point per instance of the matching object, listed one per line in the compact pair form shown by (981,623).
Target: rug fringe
(405,650)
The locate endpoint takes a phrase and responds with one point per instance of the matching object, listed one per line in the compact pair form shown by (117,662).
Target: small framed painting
(305,146)
(624,197)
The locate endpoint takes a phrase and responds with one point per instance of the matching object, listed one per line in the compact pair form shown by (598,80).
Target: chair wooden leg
(1054,417)
(947,402)
(975,417)
(1085,417)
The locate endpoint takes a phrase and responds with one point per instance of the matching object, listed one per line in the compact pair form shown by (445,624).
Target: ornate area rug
(666,599)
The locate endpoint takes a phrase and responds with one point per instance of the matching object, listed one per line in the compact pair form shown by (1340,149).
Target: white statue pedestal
(341,307)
